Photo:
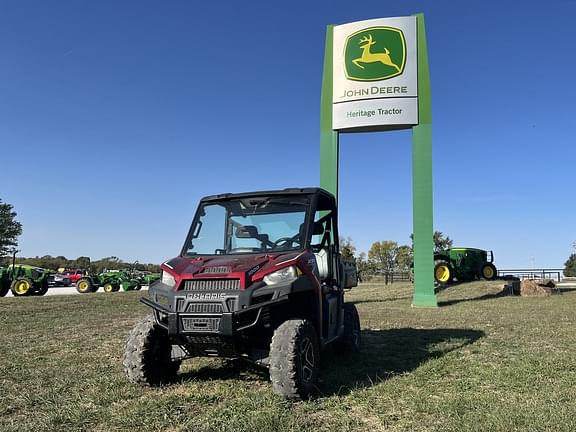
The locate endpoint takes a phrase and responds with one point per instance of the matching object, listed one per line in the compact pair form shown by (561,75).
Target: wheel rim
(307,359)
(442,273)
(108,288)
(488,272)
(22,287)
(83,286)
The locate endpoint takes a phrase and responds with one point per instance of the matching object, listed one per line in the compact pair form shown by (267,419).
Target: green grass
(481,362)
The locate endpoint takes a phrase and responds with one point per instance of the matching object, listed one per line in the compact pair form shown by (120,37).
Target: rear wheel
(84,286)
(148,354)
(21,287)
(294,359)
(488,271)
(443,273)
(350,341)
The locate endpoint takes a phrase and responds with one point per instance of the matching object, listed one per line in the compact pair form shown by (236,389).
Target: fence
(555,274)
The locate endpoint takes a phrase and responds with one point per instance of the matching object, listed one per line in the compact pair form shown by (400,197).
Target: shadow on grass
(503,293)
(237,369)
(389,353)
(380,300)
(385,354)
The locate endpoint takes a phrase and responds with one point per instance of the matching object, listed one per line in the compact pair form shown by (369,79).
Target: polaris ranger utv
(260,277)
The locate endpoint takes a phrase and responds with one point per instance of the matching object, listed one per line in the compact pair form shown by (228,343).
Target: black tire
(147,355)
(84,286)
(138,287)
(294,359)
(488,271)
(21,287)
(42,290)
(350,342)
(443,273)
(4,288)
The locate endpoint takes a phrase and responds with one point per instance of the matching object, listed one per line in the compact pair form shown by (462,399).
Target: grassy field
(480,362)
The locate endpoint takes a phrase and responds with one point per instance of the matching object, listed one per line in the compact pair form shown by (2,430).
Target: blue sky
(116,117)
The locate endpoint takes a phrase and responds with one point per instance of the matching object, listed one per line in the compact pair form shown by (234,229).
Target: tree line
(388,256)
(11,229)
(383,256)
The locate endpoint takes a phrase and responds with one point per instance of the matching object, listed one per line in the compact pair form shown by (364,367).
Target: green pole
(424,295)
(328,137)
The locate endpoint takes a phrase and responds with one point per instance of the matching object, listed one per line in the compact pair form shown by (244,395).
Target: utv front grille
(201,324)
(212,285)
(205,308)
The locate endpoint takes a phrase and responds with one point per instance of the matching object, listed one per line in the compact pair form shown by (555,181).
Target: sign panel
(375,81)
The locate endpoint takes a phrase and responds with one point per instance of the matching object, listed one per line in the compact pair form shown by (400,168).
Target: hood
(226,266)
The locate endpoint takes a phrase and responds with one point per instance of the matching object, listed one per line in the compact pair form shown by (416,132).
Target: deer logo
(375,53)
(370,57)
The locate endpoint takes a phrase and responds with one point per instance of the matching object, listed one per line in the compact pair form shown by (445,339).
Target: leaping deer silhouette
(369,57)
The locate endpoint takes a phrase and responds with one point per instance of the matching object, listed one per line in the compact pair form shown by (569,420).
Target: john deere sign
(375,54)
(375,74)
(376,78)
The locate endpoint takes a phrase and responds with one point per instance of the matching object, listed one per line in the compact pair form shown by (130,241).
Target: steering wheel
(284,242)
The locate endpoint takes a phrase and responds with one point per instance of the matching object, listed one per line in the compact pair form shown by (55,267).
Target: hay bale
(537,288)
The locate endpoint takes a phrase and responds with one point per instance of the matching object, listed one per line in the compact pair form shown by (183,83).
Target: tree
(441,241)
(404,258)
(347,248)
(383,255)
(10,229)
(570,266)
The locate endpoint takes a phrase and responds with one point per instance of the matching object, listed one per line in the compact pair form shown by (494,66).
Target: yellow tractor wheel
(84,286)
(21,287)
(443,273)
(488,271)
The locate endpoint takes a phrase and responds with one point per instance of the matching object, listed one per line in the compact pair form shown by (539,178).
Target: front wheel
(148,355)
(84,286)
(488,271)
(21,287)
(294,359)
(109,287)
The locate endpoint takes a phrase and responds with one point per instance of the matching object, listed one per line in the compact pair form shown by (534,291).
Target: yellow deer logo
(370,57)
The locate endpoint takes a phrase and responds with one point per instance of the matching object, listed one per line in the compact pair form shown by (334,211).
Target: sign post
(376,79)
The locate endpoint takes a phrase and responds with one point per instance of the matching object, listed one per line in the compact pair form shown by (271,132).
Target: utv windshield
(249,225)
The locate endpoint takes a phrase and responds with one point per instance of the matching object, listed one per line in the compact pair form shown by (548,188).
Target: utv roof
(288,191)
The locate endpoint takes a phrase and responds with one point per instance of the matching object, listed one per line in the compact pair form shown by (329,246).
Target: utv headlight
(287,274)
(168,279)
(163,300)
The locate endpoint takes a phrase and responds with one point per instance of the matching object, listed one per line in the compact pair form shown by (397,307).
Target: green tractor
(24,280)
(149,278)
(110,281)
(463,264)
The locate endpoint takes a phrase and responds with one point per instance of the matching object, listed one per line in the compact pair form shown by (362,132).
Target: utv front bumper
(217,313)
